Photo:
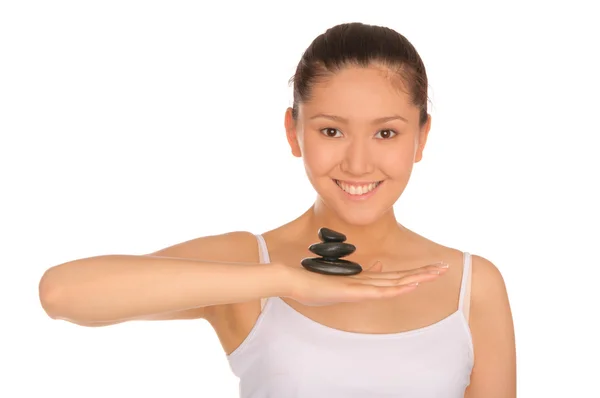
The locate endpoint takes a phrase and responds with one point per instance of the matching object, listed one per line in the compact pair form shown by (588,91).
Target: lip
(357,198)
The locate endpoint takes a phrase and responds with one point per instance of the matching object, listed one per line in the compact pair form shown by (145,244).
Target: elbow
(50,293)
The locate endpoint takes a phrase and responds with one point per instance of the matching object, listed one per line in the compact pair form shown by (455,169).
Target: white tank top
(288,355)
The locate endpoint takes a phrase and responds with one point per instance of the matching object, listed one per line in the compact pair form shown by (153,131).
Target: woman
(420,320)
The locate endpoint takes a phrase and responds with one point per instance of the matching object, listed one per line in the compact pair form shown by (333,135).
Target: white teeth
(357,190)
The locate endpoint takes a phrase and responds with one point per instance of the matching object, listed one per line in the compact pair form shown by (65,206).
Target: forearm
(120,287)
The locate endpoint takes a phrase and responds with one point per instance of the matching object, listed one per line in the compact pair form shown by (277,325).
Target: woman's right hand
(314,289)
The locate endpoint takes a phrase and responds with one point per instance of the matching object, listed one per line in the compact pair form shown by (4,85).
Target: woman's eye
(386,134)
(331,132)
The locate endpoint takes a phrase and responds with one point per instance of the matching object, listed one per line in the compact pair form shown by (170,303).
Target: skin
(353,144)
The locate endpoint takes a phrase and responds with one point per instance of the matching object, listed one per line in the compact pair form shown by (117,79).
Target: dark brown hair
(358,44)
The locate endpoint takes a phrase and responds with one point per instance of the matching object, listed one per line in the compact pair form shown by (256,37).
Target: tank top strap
(263,253)
(465,286)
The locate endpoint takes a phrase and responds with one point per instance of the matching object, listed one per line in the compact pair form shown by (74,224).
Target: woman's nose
(357,159)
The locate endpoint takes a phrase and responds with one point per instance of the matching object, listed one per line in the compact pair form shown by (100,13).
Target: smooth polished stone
(329,267)
(332,249)
(329,235)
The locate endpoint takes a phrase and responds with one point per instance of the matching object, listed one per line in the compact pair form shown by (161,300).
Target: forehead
(359,93)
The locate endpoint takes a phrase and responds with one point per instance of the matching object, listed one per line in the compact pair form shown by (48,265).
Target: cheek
(396,163)
(319,157)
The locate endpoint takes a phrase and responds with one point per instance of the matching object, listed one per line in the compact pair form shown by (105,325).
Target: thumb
(377,266)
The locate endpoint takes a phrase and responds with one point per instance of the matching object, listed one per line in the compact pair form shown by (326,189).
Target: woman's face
(359,137)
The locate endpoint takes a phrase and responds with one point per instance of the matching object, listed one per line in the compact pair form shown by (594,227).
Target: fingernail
(444,265)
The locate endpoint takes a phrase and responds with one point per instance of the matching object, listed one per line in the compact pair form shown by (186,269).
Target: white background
(128,126)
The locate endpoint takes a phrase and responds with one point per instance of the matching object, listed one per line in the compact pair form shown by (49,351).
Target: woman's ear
(292,133)
(423,134)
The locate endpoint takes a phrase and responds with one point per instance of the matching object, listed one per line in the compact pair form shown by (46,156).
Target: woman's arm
(491,323)
(172,283)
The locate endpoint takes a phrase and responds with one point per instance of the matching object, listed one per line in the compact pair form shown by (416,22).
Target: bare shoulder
(487,283)
(489,295)
(491,324)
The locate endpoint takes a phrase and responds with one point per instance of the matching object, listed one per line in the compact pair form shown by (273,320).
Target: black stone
(332,249)
(329,235)
(331,267)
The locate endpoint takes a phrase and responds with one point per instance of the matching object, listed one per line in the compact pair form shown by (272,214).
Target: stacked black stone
(331,249)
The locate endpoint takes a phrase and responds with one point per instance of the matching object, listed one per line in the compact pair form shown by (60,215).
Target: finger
(423,277)
(380,292)
(381,282)
(436,269)
(394,291)
(430,267)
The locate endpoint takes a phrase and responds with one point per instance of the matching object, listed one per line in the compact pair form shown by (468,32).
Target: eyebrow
(343,120)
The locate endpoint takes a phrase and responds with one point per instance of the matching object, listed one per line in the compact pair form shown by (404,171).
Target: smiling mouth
(357,189)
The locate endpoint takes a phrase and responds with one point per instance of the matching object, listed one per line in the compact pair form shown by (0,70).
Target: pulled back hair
(361,45)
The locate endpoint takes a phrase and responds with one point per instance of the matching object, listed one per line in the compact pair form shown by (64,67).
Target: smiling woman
(418,319)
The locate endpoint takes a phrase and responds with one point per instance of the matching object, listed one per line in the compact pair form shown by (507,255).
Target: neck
(375,235)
